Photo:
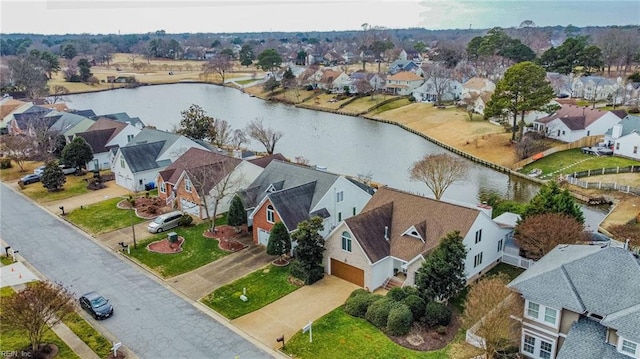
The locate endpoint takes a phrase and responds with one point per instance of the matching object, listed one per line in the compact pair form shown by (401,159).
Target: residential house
(138,163)
(342,82)
(478,85)
(630,93)
(560,83)
(197,172)
(68,124)
(105,137)
(595,88)
(625,137)
(123,117)
(403,83)
(291,193)
(405,65)
(327,78)
(28,120)
(571,123)
(581,301)
(376,81)
(390,238)
(8,105)
(449,90)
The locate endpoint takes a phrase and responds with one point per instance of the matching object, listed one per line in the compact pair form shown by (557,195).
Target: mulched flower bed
(226,238)
(425,339)
(147,207)
(280,262)
(166,247)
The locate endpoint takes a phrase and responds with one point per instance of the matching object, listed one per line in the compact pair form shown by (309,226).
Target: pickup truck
(597,151)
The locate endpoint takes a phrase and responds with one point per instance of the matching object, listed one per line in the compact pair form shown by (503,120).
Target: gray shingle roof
(97,139)
(142,157)
(65,120)
(288,175)
(629,124)
(587,340)
(293,204)
(583,278)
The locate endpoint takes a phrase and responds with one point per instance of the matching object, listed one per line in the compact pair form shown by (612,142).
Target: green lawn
(390,106)
(511,271)
(74,186)
(264,286)
(339,335)
(196,252)
(567,162)
(102,217)
(99,344)
(15,340)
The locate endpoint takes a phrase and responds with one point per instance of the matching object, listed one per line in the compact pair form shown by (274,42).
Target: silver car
(164,222)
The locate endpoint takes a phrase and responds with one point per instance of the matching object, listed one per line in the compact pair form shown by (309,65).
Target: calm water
(343,144)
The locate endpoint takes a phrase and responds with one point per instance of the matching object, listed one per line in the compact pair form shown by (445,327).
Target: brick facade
(260,220)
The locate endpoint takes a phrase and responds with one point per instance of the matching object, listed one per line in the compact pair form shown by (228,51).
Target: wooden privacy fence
(587,141)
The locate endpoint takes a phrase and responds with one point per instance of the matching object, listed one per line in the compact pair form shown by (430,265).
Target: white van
(164,222)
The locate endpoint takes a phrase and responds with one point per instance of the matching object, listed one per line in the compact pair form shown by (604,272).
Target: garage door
(190,207)
(347,272)
(263,237)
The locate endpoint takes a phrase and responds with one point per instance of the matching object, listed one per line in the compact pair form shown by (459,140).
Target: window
(122,162)
(617,146)
(635,149)
(550,315)
(187,185)
(163,188)
(499,245)
(533,310)
(346,241)
(478,235)
(477,260)
(627,347)
(339,216)
(536,347)
(340,196)
(271,217)
(129,138)
(354,211)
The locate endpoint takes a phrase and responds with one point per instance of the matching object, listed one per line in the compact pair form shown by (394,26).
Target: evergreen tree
(237,215)
(441,275)
(77,153)
(52,177)
(307,264)
(279,240)
(246,55)
(553,199)
(195,123)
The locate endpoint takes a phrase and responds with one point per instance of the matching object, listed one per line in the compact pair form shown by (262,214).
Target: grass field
(102,217)
(570,161)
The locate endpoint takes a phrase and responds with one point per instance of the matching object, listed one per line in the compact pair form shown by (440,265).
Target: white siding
(353,196)
(625,145)
(488,245)
(379,273)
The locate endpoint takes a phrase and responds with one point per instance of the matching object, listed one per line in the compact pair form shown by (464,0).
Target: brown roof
(398,211)
(198,162)
(9,106)
(61,107)
(476,83)
(265,160)
(329,75)
(404,76)
(105,123)
(577,117)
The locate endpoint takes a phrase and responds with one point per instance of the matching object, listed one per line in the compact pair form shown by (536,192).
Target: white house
(403,83)
(571,123)
(105,136)
(388,241)
(138,163)
(449,89)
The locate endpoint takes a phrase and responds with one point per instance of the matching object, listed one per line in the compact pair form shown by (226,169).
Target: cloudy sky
(175,16)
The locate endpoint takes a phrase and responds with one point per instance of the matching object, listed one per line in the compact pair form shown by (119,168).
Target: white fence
(511,255)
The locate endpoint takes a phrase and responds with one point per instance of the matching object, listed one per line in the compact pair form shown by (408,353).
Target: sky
(220,16)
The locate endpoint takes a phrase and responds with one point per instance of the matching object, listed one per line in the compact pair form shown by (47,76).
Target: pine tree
(308,252)
(237,215)
(442,273)
(77,153)
(553,199)
(279,240)
(52,177)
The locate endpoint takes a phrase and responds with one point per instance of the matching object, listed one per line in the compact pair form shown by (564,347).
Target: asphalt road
(150,319)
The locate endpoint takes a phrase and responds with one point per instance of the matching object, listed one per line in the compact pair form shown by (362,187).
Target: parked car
(30,178)
(67,170)
(96,305)
(164,222)
(39,170)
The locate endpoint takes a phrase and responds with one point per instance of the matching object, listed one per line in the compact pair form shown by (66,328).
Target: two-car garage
(347,272)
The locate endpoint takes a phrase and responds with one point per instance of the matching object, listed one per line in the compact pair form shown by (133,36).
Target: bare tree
(17,148)
(488,311)
(221,133)
(213,183)
(265,135)
(363,86)
(37,307)
(529,145)
(238,139)
(220,65)
(439,78)
(537,235)
(57,94)
(439,171)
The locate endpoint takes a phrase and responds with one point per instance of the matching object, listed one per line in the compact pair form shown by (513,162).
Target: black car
(96,305)
(30,178)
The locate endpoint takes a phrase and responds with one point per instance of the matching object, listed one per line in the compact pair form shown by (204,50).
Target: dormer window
(413,232)
(270,189)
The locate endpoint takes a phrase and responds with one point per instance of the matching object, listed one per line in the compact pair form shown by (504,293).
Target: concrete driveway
(289,314)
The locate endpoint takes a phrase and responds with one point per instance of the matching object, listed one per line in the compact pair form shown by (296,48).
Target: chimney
(386,232)
(616,132)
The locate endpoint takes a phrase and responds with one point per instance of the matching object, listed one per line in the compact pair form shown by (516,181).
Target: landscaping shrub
(378,312)
(416,305)
(400,320)
(185,220)
(5,163)
(410,290)
(397,294)
(359,291)
(437,314)
(358,305)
